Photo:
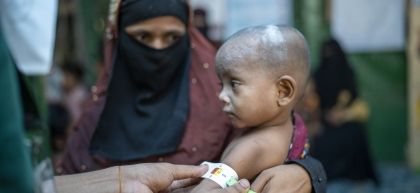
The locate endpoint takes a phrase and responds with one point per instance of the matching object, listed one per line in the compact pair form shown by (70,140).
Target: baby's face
(249,95)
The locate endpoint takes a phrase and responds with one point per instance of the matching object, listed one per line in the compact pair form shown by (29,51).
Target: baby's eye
(234,84)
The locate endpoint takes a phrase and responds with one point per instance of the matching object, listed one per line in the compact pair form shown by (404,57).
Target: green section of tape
(232,181)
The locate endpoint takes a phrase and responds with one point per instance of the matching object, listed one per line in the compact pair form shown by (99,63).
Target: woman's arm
(101,181)
(315,170)
(357,111)
(301,176)
(148,177)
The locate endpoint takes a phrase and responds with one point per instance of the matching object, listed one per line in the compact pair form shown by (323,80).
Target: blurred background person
(342,145)
(309,109)
(74,90)
(15,171)
(201,21)
(27,34)
(59,120)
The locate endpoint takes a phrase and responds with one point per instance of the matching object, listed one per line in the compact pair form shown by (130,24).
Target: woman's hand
(144,178)
(289,178)
(157,177)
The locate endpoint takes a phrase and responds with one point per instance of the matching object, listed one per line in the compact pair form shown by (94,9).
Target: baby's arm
(255,152)
(252,153)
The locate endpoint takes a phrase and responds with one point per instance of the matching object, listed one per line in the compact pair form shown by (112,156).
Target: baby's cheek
(266,110)
(254,116)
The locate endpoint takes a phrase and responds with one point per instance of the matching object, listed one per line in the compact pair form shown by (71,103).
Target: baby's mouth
(231,115)
(229,112)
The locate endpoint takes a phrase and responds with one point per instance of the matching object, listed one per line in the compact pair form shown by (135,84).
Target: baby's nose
(223,97)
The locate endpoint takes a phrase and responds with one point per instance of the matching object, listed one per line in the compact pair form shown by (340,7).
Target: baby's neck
(284,122)
(282,119)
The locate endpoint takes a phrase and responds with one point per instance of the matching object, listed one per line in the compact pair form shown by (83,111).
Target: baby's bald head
(279,50)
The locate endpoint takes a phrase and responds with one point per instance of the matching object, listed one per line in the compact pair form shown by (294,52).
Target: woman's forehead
(161,22)
(133,11)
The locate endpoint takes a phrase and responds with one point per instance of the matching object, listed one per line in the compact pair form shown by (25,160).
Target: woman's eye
(143,37)
(172,38)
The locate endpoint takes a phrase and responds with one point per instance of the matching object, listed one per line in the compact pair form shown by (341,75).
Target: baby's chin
(236,122)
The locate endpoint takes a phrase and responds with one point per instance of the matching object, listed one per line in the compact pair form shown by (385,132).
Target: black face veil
(148,97)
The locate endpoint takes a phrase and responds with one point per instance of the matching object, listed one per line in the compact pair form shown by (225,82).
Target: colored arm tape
(219,173)
(222,174)
(232,182)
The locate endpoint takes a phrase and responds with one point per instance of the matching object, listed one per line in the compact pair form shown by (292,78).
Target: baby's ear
(286,90)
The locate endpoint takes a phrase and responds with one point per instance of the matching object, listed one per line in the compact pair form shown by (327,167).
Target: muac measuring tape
(222,174)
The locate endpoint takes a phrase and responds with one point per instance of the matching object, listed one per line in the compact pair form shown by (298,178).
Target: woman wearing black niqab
(149,89)
(342,146)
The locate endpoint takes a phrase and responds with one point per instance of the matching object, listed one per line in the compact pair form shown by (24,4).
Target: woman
(156,100)
(342,146)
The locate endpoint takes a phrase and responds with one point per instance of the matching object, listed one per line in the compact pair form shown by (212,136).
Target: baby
(263,72)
